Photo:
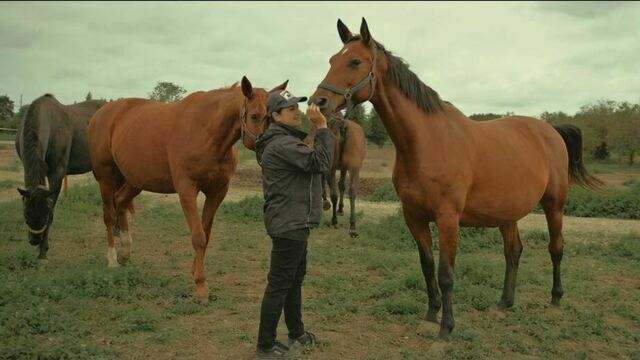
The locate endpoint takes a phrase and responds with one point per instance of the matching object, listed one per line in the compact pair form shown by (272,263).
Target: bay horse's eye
(255,118)
(355,62)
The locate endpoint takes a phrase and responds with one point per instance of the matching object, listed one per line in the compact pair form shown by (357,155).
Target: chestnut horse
(183,147)
(454,171)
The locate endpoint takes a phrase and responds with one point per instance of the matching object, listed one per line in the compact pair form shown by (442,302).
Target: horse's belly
(494,209)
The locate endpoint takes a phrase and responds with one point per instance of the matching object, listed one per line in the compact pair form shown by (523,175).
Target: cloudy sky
(483,57)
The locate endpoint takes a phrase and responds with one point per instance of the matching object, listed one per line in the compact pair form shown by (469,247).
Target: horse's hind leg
(343,175)
(107,190)
(123,199)
(553,211)
(353,193)
(512,251)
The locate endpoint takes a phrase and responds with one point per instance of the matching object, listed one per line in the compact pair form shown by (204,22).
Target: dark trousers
(284,290)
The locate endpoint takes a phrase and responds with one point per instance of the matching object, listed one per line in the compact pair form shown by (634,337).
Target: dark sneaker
(277,351)
(307,340)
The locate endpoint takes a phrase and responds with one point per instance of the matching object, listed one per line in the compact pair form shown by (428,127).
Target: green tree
(6,109)
(485,117)
(376,132)
(556,118)
(167,92)
(359,115)
(89,96)
(625,130)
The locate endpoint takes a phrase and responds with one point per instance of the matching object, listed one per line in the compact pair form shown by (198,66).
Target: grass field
(365,296)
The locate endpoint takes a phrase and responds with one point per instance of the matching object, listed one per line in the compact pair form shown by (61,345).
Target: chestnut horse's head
(254,112)
(354,69)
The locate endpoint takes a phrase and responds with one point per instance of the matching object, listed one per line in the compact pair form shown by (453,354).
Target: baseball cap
(282,99)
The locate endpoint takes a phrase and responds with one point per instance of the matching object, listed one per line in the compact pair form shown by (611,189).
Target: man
(292,186)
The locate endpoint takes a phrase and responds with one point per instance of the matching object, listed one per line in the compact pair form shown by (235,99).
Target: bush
(622,204)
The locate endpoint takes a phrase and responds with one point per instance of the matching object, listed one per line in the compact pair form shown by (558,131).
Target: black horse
(52,143)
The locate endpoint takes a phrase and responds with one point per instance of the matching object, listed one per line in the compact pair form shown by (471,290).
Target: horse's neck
(34,144)
(407,125)
(223,129)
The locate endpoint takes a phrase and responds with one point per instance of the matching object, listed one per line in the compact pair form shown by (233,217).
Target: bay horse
(454,171)
(350,151)
(52,143)
(183,147)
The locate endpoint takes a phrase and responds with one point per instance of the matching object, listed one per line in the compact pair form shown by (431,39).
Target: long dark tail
(578,174)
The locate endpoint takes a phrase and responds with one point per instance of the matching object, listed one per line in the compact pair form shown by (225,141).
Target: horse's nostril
(322,101)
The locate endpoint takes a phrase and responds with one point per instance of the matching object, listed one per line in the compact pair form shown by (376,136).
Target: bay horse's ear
(280,87)
(343,30)
(24,193)
(364,32)
(247,89)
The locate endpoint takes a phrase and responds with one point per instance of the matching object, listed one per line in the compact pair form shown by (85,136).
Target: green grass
(76,307)
(612,166)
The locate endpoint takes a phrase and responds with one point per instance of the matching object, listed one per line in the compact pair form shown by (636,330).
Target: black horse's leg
(55,184)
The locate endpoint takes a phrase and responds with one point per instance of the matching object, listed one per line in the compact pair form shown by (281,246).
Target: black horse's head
(38,207)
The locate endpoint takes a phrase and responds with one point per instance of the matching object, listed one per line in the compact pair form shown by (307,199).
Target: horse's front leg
(55,184)
(448,229)
(188,200)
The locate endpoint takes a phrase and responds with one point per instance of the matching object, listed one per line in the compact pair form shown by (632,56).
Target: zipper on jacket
(310,200)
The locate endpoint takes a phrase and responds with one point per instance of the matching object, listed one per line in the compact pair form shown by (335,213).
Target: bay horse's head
(353,74)
(254,112)
(38,208)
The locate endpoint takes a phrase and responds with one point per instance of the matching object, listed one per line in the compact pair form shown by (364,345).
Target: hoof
(504,305)
(555,302)
(123,260)
(432,317)
(444,334)
(202,294)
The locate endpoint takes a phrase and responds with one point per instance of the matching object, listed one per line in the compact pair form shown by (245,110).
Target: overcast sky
(483,57)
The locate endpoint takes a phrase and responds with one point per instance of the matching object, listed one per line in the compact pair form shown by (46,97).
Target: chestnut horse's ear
(24,193)
(247,89)
(364,32)
(345,34)
(280,87)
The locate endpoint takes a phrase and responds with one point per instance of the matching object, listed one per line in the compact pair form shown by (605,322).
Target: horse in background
(456,172)
(349,154)
(183,147)
(52,143)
